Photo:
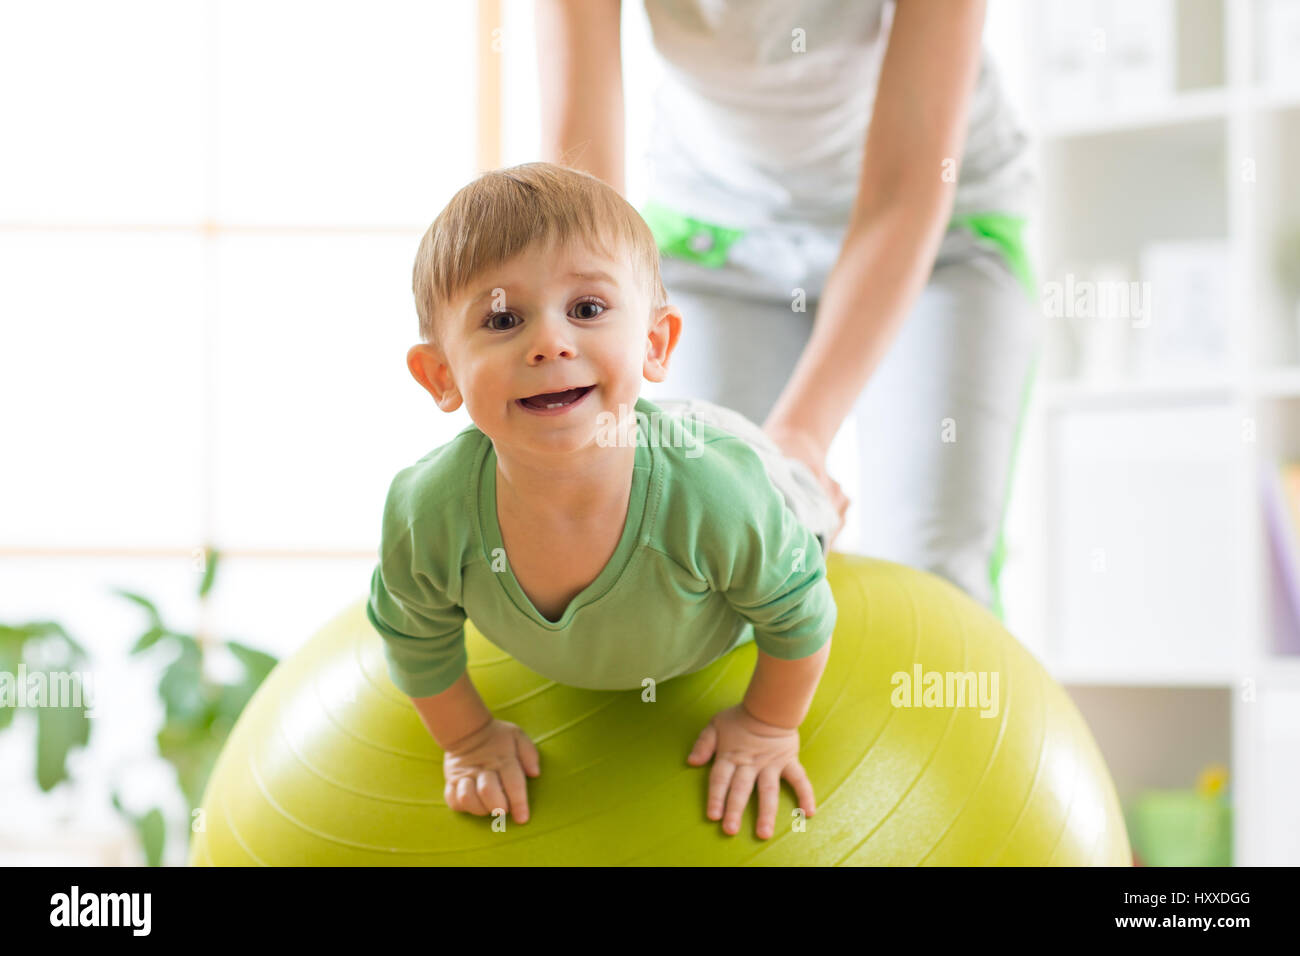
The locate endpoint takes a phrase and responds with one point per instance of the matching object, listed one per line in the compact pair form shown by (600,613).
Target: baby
(593,535)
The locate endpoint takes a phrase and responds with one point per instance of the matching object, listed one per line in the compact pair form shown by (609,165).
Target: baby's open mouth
(555,399)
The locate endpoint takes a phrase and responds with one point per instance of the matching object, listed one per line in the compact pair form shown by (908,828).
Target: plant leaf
(152,830)
(257,664)
(180,687)
(13,638)
(54,627)
(16,637)
(58,730)
(7,713)
(189,645)
(11,651)
(192,748)
(155,619)
(210,558)
(231,702)
(147,640)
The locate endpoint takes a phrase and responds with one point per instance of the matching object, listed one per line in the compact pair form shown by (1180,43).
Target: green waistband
(685,237)
(1008,232)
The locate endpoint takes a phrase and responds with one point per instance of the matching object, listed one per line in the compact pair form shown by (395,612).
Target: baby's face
(549,320)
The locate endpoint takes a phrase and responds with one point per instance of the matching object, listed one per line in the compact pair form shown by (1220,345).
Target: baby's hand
(485,771)
(748,748)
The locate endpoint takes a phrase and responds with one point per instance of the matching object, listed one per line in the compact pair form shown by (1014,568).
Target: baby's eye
(491,319)
(590,302)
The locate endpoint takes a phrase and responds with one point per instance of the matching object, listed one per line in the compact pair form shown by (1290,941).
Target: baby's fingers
(803,789)
(719,781)
(704,745)
(769,791)
(467,797)
(742,784)
(490,791)
(528,755)
(512,774)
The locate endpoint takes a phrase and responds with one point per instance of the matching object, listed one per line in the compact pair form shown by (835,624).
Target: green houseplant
(198,711)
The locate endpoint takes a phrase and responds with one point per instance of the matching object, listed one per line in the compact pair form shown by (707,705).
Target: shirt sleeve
(422,628)
(769,565)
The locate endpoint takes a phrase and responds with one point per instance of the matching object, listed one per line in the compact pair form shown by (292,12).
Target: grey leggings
(937,423)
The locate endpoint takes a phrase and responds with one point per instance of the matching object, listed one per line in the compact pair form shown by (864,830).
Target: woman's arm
(904,201)
(580,73)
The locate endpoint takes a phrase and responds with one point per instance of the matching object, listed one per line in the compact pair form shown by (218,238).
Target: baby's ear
(661,339)
(429,367)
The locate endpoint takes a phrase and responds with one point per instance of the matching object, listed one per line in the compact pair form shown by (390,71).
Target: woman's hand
(747,749)
(798,444)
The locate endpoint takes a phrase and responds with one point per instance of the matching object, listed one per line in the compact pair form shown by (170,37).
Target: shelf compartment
(1145,510)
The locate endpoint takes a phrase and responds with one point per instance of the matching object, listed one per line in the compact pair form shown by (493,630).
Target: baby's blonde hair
(503,212)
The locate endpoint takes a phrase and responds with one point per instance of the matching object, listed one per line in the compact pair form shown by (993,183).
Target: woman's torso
(762,114)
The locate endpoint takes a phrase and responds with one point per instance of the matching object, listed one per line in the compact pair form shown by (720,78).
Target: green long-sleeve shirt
(710,557)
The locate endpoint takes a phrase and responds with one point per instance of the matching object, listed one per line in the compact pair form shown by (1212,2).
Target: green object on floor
(1181,828)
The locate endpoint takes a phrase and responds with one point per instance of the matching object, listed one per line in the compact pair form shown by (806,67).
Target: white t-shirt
(749,130)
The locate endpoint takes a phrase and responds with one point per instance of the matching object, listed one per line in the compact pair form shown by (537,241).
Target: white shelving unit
(1213,159)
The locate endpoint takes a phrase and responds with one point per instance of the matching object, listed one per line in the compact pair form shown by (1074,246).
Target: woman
(838,191)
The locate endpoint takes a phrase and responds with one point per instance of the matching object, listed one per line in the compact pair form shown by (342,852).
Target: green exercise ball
(329,764)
